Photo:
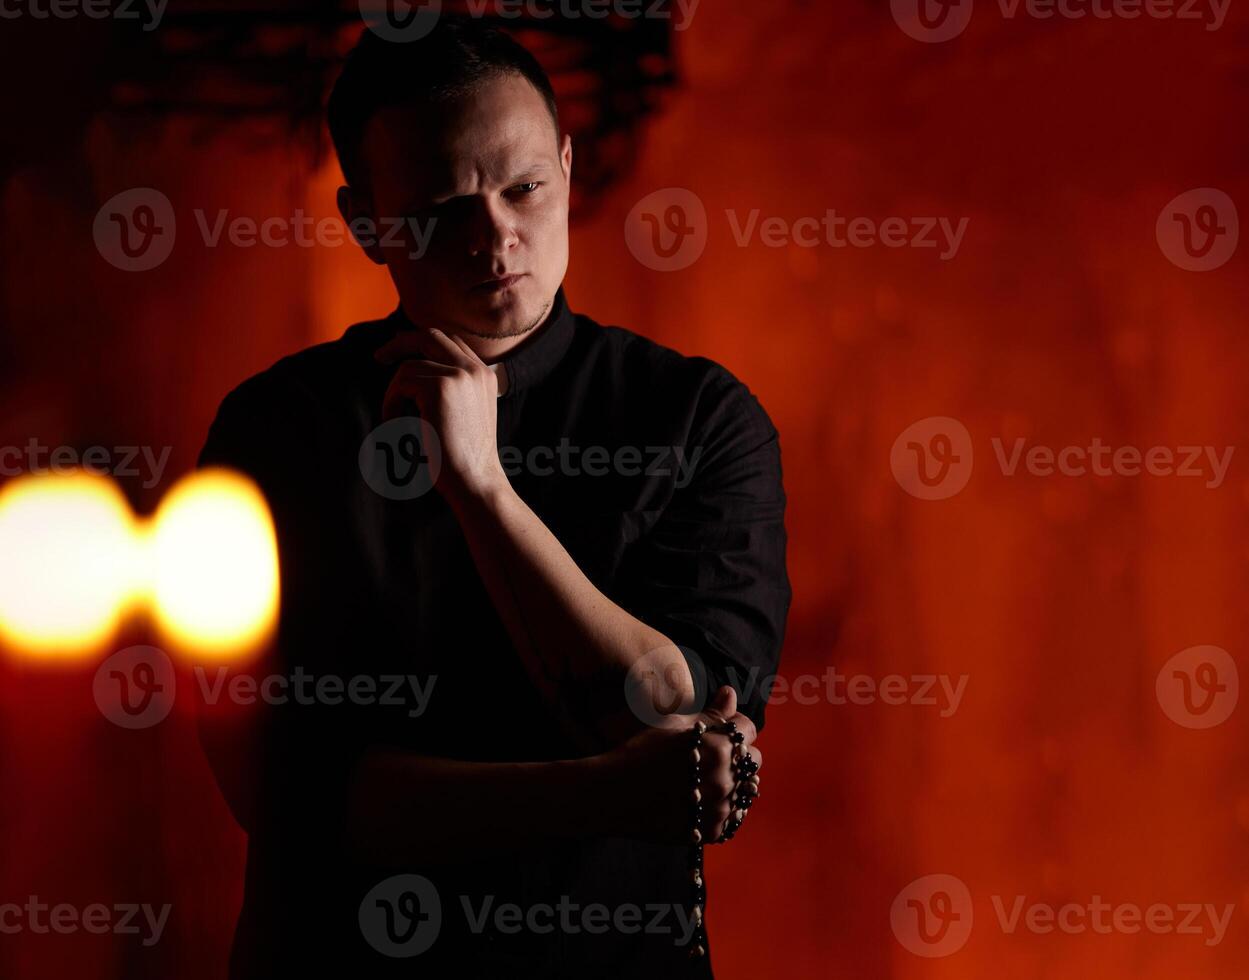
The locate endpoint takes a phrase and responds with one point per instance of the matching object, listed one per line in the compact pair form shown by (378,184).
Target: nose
(493,230)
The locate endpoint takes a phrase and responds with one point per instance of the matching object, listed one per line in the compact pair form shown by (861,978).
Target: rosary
(745,791)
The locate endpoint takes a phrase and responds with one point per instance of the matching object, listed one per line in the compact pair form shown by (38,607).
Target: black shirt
(383,588)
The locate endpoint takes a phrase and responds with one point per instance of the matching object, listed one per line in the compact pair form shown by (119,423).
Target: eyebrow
(537,168)
(445,194)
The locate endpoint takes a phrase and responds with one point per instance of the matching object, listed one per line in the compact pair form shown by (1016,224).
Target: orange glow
(214,564)
(77,561)
(68,541)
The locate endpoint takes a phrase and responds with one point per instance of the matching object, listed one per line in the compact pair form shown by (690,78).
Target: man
(556,621)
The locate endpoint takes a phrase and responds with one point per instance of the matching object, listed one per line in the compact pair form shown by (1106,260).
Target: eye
(528,187)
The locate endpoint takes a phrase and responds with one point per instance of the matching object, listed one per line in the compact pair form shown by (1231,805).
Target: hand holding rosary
(745,771)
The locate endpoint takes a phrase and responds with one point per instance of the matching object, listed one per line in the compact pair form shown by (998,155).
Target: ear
(357,212)
(565,157)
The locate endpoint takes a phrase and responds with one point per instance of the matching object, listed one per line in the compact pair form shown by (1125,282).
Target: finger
(468,351)
(452,352)
(723,705)
(398,401)
(426,342)
(745,726)
(405,388)
(407,343)
(739,756)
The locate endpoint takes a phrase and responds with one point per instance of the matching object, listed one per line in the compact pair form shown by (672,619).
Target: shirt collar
(538,354)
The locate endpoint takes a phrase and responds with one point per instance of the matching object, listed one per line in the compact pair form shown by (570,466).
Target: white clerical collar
(500,372)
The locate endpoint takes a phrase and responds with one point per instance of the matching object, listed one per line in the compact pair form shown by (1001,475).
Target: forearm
(577,645)
(405,807)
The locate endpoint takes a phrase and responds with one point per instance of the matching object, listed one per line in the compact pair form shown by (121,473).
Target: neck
(494,349)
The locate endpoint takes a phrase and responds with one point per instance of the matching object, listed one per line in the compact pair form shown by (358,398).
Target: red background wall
(1059,320)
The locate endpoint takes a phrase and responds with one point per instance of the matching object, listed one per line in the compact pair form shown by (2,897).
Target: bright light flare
(67,562)
(214,564)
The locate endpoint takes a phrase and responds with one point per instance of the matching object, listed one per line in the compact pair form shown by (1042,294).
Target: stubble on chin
(516,331)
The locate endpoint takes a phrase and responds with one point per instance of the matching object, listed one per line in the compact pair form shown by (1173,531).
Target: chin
(508,320)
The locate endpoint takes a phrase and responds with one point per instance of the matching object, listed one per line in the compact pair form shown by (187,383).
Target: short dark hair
(452,61)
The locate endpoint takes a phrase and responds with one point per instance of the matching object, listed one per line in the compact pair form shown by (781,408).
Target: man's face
(484,178)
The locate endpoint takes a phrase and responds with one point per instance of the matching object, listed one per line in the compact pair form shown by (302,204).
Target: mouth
(499,284)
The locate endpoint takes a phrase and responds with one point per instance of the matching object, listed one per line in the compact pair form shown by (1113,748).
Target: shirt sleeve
(291,777)
(710,575)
